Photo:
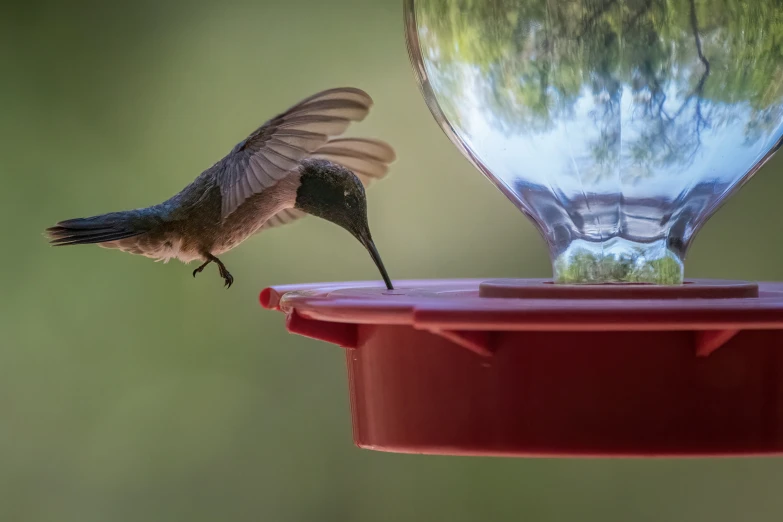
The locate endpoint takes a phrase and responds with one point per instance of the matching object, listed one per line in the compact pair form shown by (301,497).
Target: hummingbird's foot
(227,277)
(199,269)
(224,273)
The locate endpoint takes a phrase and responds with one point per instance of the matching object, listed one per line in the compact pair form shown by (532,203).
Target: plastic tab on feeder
(618,130)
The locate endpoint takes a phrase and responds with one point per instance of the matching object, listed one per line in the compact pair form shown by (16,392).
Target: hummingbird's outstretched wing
(277,147)
(367,158)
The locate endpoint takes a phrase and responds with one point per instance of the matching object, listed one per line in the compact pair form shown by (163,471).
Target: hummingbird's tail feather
(97,229)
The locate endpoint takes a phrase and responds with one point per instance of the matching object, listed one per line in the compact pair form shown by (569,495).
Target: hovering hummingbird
(291,166)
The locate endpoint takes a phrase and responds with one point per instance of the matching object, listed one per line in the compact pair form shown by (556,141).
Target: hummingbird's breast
(251,215)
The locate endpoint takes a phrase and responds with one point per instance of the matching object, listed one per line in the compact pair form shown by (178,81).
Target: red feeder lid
(530,368)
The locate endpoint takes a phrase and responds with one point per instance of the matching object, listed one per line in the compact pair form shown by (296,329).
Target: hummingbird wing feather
(283,218)
(276,148)
(367,158)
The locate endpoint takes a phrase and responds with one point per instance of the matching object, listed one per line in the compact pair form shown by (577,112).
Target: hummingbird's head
(332,192)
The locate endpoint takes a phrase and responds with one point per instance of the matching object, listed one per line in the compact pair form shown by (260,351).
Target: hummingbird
(295,164)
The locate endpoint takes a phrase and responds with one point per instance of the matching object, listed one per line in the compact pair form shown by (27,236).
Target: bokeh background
(130,391)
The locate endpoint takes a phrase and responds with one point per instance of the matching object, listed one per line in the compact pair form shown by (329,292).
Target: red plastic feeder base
(528,368)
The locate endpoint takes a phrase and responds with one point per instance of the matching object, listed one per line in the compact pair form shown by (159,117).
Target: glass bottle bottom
(618,261)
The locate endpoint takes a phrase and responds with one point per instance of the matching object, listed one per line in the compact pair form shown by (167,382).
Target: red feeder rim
(531,368)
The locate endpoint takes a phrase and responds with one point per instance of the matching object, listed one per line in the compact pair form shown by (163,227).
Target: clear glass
(617,126)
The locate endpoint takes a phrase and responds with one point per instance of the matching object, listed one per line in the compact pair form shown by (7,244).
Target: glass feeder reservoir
(618,128)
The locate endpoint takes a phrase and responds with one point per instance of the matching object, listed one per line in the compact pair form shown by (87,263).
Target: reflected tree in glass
(617,126)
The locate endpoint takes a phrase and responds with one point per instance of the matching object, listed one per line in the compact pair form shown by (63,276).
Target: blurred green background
(130,391)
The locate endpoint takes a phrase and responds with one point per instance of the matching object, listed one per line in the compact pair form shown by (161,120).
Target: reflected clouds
(607,120)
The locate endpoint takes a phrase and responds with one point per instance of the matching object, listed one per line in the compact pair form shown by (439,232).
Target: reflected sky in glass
(607,120)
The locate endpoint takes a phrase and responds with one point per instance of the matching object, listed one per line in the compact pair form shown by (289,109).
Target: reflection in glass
(617,126)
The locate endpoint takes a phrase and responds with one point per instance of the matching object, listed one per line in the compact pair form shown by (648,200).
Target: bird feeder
(618,128)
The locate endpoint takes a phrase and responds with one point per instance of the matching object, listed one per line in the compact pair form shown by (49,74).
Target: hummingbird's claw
(199,269)
(225,274)
(229,279)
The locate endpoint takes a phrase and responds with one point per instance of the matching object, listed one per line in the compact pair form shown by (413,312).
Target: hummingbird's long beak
(376,257)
